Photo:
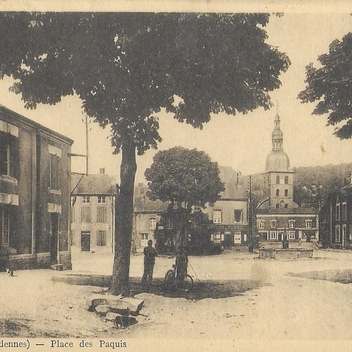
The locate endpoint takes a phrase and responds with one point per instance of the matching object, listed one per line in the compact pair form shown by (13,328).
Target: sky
(241,141)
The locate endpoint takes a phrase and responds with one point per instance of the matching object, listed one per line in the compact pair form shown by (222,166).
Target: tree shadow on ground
(341,276)
(201,290)
(13,327)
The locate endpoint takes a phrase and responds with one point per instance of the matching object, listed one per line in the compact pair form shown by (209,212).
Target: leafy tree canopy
(126,67)
(180,175)
(331,86)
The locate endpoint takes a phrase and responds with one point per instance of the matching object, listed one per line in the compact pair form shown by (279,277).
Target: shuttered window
(101,214)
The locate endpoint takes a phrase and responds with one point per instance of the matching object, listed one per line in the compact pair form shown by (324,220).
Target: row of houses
(233,219)
(45,209)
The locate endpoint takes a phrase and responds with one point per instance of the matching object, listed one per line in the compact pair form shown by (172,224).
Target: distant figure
(149,260)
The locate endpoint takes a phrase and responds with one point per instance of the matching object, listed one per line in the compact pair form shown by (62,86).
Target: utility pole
(250,217)
(87,148)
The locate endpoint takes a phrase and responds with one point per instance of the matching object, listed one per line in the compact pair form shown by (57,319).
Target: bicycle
(173,280)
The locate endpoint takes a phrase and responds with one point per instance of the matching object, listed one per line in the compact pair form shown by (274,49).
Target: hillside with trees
(314,184)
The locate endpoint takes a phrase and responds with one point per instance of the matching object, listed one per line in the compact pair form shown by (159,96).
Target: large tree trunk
(124,219)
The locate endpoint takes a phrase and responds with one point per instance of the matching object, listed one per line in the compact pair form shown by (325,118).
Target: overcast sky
(241,141)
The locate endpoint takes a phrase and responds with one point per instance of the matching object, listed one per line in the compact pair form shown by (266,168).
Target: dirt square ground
(236,297)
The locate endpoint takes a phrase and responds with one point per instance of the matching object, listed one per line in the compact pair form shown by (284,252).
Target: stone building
(35,166)
(229,215)
(277,214)
(93,212)
(147,214)
(336,219)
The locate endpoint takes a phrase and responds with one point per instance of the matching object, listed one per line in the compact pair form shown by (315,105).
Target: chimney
(102,170)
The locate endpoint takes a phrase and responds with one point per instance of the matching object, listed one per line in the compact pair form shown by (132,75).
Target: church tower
(278,177)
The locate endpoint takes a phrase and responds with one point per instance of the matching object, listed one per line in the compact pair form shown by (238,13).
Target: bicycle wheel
(187,283)
(169,280)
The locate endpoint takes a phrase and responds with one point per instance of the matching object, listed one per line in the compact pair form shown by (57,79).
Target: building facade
(229,217)
(35,180)
(336,219)
(277,215)
(230,214)
(147,215)
(93,212)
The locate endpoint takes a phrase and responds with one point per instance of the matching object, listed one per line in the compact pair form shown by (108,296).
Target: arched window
(286,180)
(277,192)
(277,179)
(286,192)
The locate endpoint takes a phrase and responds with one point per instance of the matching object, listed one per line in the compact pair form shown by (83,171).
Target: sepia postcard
(175,176)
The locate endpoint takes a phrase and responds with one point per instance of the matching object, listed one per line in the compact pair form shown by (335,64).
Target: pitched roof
(230,178)
(92,184)
(143,204)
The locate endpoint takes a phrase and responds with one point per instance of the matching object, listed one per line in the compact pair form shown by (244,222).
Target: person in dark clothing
(149,260)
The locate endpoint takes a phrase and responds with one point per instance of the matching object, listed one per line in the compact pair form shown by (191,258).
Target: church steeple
(277,160)
(277,136)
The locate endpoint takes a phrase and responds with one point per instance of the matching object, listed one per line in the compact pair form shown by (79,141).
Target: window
(286,205)
(217,216)
(101,238)
(337,233)
(337,211)
(344,211)
(291,235)
(277,179)
(54,181)
(144,236)
(344,232)
(101,214)
(86,200)
(238,215)
(5,225)
(101,199)
(273,235)
(217,238)
(273,224)
(291,224)
(308,224)
(277,206)
(5,159)
(152,223)
(9,155)
(169,224)
(144,239)
(286,180)
(261,224)
(286,192)
(277,192)
(85,215)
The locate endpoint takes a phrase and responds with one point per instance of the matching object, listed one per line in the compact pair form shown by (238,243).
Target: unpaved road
(237,297)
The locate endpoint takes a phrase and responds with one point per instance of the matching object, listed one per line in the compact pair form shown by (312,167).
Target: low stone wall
(65,259)
(277,253)
(21,262)
(34,261)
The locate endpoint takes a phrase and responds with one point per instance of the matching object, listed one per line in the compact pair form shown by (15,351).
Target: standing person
(149,261)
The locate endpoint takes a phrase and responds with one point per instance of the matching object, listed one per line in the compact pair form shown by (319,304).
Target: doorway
(54,237)
(85,241)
